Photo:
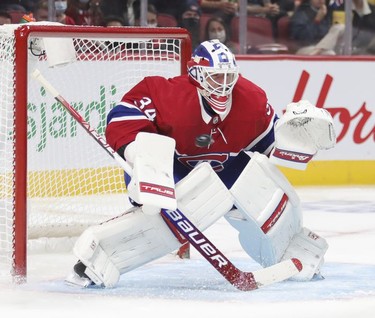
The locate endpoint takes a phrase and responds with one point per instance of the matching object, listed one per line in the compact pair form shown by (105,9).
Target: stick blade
(278,272)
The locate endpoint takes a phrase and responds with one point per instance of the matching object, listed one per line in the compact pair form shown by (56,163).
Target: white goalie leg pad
(269,218)
(134,239)
(269,213)
(203,197)
(122,244)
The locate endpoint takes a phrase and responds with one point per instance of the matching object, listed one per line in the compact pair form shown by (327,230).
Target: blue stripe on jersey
(125,112)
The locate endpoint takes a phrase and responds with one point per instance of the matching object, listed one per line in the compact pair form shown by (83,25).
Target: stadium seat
(166,20)
(202,25)
(259,30)
(283,25)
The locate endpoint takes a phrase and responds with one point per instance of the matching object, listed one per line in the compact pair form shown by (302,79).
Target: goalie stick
(242,280)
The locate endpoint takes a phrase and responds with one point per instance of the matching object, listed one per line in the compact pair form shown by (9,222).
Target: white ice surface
(171,287)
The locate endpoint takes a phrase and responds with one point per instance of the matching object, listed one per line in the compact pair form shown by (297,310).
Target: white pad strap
(152,182)
(131,240)
(300,133)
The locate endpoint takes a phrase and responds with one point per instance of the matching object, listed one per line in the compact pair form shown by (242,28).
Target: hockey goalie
(211,143)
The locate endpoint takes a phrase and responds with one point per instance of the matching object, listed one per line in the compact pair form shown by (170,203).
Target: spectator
(216,28)
(113,21)
(262,8)
(152,16)
(226,9)
(132,9)
(5,18)
(40,12)
(111,8)
(29,5)
(312,29)
(270,9)
(287,7)
(27,18)
(60,8)
(171,7)
(11,5)
(189,18)
(363,22)
(85,12)
(363,27)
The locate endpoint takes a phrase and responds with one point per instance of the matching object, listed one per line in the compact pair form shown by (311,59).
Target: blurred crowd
(304,27)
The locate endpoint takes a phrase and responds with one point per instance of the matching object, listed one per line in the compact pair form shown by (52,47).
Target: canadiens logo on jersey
(215,160)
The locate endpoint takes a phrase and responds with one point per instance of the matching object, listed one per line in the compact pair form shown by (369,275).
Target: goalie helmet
(214,71)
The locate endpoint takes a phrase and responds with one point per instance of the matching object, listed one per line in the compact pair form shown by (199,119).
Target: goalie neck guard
(214,71)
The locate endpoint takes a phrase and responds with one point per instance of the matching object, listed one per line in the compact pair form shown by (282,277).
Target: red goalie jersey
(175,108)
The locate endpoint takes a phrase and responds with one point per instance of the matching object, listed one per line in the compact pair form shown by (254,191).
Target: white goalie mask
(214,70)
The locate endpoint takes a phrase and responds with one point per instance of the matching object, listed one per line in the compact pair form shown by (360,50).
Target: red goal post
(55,180)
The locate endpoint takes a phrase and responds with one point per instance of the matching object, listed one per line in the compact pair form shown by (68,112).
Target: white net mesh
(6,146)
(71,181)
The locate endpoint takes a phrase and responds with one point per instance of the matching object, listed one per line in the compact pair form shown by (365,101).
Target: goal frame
(20,117)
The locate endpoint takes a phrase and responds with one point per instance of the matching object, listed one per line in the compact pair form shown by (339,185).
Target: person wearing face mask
(217,29)
(41,12)
(85,12)
(189,18)
(60,8)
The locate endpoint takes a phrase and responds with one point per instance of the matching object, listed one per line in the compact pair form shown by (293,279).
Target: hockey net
(55,180)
